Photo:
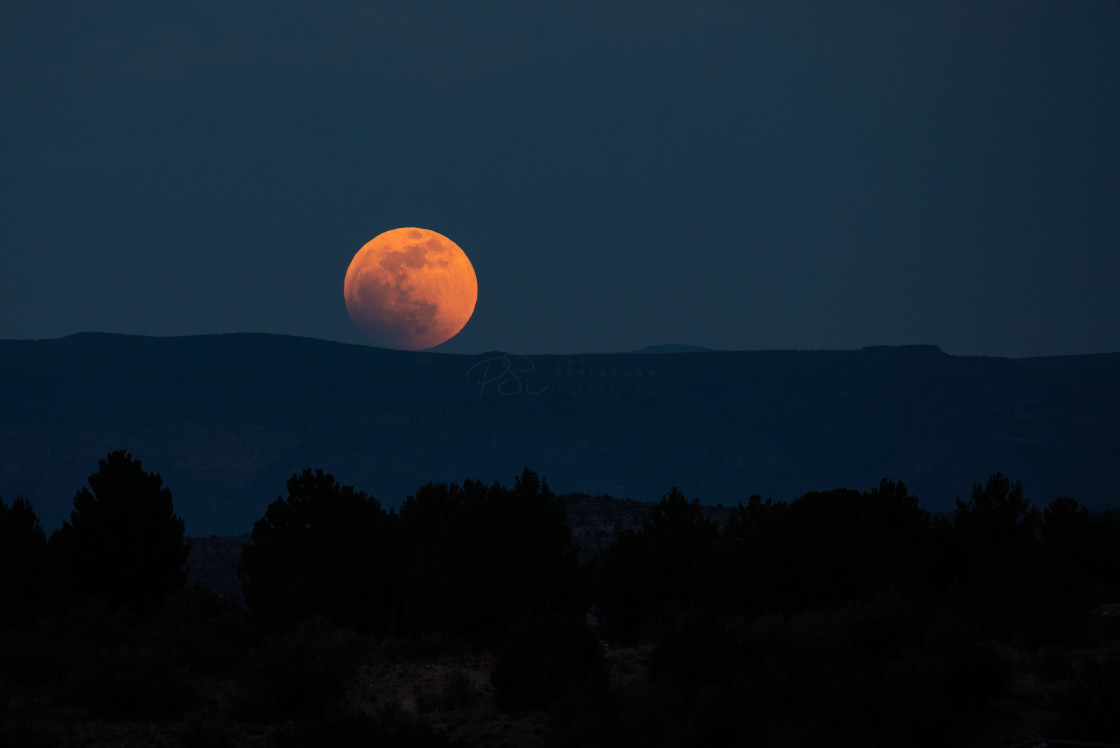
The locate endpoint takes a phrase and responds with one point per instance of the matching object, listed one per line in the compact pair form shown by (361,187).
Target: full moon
(410,288)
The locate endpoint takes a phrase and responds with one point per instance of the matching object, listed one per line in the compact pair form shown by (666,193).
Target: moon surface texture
(410,288)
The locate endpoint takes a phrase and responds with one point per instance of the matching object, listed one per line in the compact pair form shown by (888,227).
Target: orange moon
(410,288)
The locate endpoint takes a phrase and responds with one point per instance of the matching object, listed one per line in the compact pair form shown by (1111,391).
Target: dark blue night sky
(726,174)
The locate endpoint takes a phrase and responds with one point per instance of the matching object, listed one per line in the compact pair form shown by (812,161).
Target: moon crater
(410,288)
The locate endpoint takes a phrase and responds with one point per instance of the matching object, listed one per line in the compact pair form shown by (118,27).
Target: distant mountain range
(226,419)
(674,348)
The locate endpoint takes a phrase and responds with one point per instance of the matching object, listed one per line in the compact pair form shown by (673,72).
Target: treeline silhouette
(839,616)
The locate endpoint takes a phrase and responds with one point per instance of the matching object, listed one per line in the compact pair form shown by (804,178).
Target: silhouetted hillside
(226,418)
(674,348)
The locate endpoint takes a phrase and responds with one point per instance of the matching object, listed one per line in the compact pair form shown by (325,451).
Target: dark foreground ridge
(595,522)
(465,618)
(220,417)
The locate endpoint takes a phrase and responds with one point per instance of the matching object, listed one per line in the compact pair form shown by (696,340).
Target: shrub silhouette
(1084,547)
(324,550)
(454,691)
(353,728)
(1001,582)
(1089,703)
(124,542)
(23,563)
(1103,560)
(544,658)
(872,673)
(478,556)
(210,634)
(822,549)
(668,562)
(835,546)
(1066,528)
(205,733)
(133,680)
(304,671)
(996,520)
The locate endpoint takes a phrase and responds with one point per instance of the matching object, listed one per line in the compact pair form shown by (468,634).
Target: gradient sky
(736,175)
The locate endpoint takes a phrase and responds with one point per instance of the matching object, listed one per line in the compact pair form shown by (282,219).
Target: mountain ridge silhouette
(226,419)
